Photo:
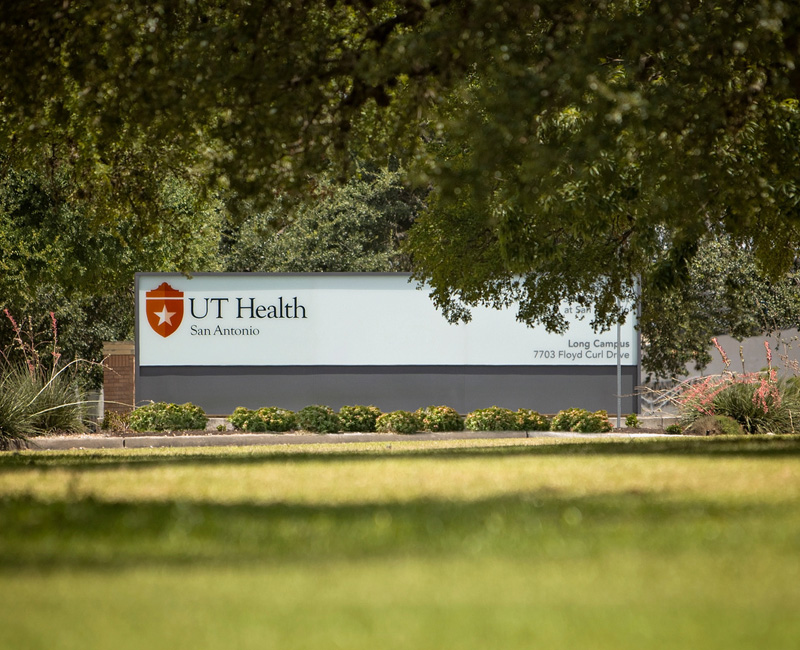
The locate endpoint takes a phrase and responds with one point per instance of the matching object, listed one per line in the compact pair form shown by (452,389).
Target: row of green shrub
(323,419)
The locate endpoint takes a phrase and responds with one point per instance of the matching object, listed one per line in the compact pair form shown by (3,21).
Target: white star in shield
(165,316)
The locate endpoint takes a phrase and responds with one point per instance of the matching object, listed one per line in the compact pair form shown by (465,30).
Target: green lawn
(684,543)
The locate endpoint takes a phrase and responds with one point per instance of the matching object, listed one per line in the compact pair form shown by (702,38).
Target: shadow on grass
(747,446)
(89,533)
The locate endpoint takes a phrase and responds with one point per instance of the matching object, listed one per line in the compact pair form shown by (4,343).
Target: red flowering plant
(38,393)
(760,401)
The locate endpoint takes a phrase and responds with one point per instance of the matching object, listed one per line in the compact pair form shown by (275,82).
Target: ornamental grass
(38,393)
(760,402)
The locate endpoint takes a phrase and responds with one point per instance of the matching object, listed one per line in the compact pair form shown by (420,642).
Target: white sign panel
(344,320)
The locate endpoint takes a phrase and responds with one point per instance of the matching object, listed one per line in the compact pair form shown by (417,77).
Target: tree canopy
(54,258)
(355,227)
(576,149)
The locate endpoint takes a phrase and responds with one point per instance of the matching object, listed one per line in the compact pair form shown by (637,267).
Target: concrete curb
(256,439)
(74,442)
(658,421)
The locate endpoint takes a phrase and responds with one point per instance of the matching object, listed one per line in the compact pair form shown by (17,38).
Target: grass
(460,544)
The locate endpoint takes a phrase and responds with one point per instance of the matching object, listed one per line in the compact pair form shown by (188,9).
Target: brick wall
(119,386)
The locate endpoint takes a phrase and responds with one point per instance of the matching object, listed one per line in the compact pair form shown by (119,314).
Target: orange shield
(164,308)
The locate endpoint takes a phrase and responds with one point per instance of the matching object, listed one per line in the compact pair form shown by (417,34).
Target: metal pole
(619,374)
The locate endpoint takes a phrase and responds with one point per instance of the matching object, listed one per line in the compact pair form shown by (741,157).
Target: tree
(633,137)
(576,148)
(725,293)
(355,227)
(53,258)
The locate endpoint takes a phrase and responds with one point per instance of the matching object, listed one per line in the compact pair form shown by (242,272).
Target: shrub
(632,420)
(114,421)
(440,418)
(565,419)
(399,422)
(359,418)
(37,393)
(59,405)
(240,417)
(277,419)
(758,401)
(596,422)
(319,419)
(715,425)
(32,404)
(581,421)
(493,418)
(674,430)
(161,416)
(268,418)
(16,418)
(528,420)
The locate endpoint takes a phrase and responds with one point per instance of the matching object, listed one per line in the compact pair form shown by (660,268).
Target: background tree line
(54,258)
(543,152)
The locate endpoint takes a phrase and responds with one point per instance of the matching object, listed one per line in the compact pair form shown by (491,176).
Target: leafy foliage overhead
(611,139)
(249,94)
(575,145)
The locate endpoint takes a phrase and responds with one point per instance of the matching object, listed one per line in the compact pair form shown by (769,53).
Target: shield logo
(164,308)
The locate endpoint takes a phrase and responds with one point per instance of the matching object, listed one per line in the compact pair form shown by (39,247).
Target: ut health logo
(164,308)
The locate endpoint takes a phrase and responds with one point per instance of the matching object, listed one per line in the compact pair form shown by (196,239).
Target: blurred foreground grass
(463,544)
